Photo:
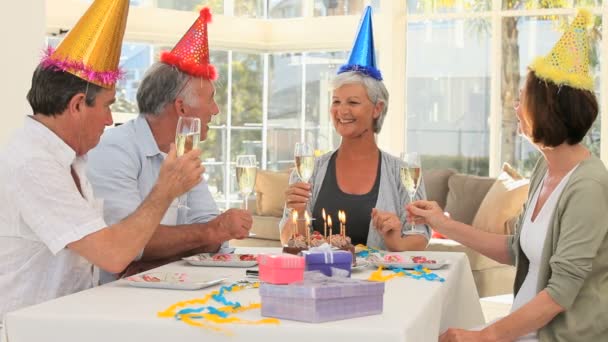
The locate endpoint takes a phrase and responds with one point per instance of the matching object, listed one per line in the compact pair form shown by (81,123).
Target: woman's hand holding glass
(411,173)
(297,196)
(304,159)
(427,212)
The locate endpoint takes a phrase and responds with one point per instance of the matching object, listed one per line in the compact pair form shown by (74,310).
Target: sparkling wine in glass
(246,170)
(411,172)
(305,161)
(187,137)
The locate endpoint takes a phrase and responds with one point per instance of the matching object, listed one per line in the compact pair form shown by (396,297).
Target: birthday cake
(296,244)
(316,239)
(342,242)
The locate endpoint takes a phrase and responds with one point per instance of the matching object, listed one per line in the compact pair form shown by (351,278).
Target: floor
(496,307)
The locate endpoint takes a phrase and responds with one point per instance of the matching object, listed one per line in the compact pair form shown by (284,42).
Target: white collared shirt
(41,212)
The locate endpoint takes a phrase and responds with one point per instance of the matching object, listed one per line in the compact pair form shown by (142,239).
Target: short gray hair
(161,85)
(376,91)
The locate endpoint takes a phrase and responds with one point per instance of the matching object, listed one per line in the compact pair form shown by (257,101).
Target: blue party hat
(363,57)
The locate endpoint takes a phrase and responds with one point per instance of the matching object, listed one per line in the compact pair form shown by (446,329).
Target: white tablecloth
(414,310)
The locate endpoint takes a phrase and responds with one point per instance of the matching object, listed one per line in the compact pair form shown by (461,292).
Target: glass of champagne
(187,137)
(305,161)
(246,170)
(411,172)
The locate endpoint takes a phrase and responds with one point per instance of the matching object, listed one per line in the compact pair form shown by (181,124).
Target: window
(461,63)
(338,7)
(532,37)
(448,99)
(278,9)
(517,37)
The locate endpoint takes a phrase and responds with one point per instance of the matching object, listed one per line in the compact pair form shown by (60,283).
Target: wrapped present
(280,268)
(326,260)
(322,299)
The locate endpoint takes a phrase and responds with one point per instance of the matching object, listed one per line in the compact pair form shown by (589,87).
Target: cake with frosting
(316,239)
(342,242)
(296,244)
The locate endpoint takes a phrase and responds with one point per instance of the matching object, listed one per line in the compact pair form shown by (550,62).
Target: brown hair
(557,114)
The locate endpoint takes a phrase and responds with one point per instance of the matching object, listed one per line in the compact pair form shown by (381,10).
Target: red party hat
(191,53)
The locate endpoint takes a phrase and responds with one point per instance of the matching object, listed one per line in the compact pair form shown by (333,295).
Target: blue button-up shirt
(123,169)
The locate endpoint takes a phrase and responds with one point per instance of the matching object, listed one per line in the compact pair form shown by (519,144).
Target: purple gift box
(322,300)
(324,261)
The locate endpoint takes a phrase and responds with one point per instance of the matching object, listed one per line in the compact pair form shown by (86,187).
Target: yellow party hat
(91,50)
(568,61)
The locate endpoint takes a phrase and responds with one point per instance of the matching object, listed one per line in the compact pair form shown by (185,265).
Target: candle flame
(294,216)
(341,216)
(329,221)
(323,214)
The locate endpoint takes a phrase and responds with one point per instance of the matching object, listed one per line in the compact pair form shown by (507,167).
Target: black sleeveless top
(358,208)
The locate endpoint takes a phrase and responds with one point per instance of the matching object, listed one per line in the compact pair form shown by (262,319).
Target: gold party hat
(91,50)
(568,61)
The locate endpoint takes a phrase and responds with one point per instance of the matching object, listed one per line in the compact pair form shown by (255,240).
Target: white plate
(360,265)
(232,260)
(174,281)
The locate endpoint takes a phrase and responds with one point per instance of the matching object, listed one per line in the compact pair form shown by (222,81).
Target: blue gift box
(324,261)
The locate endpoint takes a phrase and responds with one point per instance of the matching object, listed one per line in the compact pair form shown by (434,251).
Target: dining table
(414,310)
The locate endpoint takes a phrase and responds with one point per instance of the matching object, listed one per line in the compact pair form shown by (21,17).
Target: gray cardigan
(574,262)
(392,196)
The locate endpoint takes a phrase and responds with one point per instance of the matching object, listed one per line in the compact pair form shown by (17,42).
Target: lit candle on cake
(307,220)
(324,224)
(329,225)
(344,223)
(341,219)
(294,219)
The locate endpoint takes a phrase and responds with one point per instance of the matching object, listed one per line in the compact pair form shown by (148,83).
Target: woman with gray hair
(357,178)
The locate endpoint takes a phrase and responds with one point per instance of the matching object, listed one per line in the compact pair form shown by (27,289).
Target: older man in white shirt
(52,230)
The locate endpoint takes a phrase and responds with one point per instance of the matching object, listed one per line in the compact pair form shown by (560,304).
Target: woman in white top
(560,248)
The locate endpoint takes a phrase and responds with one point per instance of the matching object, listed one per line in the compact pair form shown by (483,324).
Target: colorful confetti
(194,316)
(365,251)
(419,272)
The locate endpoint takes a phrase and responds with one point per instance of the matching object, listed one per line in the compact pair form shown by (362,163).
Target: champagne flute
(305,161)
(245,175)
(411,172)
(187,137)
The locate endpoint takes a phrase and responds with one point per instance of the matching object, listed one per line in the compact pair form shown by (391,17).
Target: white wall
(23,25)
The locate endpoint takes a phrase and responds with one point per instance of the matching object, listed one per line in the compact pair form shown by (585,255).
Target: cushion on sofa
(465,194)
(266,227)
(270,189)
(502,203)
(436,184)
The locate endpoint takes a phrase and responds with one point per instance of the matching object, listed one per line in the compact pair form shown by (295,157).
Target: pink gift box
(281,268)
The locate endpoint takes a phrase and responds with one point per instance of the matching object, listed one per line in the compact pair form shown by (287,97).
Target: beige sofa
(460,195)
